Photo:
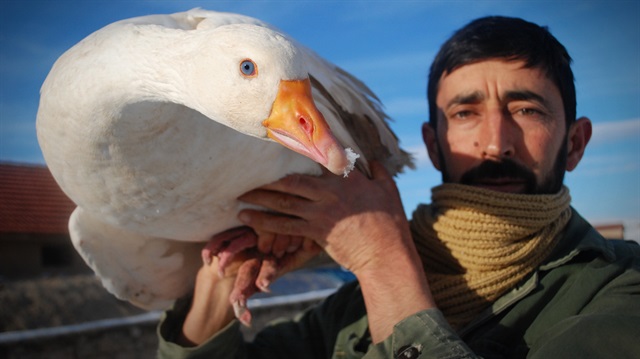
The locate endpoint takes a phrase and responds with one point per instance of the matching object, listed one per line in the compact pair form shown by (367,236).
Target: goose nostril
(307,126)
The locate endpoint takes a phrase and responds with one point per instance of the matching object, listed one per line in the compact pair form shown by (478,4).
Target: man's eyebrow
(524,95)
(466,98)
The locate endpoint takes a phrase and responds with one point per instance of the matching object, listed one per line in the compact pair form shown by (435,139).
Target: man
(499,265)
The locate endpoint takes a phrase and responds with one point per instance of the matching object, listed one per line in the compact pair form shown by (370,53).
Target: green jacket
(583,302)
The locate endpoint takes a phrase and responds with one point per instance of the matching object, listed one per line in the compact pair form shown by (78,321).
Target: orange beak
(297,124)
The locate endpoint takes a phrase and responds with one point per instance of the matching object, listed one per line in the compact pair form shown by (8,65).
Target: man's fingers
(265,242)
(280,245)
(304,186)
(380,173)
(292,261)
(281,202)
(262,221)
(310,246)
(295,244)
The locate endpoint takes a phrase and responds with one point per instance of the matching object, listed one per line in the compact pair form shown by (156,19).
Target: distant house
(611,231)
(34,212)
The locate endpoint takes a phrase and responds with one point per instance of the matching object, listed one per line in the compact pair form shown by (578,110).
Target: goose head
(266,91)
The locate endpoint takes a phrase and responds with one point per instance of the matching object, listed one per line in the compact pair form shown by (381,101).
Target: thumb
(379,172)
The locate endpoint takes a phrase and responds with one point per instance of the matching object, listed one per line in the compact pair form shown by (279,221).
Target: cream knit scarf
(476,244)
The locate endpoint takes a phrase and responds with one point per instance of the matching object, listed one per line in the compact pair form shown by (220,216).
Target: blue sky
(389,45)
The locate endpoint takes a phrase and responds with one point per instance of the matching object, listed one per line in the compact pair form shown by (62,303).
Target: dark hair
(511,39)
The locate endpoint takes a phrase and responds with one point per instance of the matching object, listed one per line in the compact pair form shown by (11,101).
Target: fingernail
(264,286)
(245,318)
(245,322)
(244,217)
(206,260)
(238,308)
(206,256)
(241,312)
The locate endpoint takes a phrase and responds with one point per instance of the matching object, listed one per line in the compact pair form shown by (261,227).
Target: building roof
(31,201)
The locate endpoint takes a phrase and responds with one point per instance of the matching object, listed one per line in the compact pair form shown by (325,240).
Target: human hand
(357,220)
(361,224)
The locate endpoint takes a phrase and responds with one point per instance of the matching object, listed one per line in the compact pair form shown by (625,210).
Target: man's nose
(499,136)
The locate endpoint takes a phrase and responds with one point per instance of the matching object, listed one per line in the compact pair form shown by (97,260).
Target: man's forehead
(469,82)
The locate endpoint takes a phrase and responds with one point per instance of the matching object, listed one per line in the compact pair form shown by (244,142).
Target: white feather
(148,132)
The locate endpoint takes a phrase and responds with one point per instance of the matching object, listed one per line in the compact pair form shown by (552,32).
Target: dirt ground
(71,300)
(127,342)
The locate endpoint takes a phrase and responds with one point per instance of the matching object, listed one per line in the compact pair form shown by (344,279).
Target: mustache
(507,168)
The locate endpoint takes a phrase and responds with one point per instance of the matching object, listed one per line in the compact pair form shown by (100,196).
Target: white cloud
(612,132)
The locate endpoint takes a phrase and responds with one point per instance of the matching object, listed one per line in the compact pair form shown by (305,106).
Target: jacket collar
(578,237)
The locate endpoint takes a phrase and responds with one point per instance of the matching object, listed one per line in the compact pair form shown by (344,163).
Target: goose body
(154,126)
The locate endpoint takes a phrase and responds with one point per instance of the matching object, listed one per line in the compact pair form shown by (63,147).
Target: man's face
(500,126)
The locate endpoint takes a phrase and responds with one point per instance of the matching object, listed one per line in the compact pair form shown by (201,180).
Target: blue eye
(248,68)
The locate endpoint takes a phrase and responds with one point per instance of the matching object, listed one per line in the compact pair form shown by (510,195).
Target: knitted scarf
(475,244)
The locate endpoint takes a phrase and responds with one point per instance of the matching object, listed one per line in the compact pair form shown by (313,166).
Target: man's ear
(431,142)
(577,140)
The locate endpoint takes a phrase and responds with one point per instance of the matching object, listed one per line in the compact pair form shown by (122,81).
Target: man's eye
(528,112)
(462,114)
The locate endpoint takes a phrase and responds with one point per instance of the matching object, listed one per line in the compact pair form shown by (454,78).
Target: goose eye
(248,68)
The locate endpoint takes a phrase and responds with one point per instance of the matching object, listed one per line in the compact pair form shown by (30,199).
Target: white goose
(154,126)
